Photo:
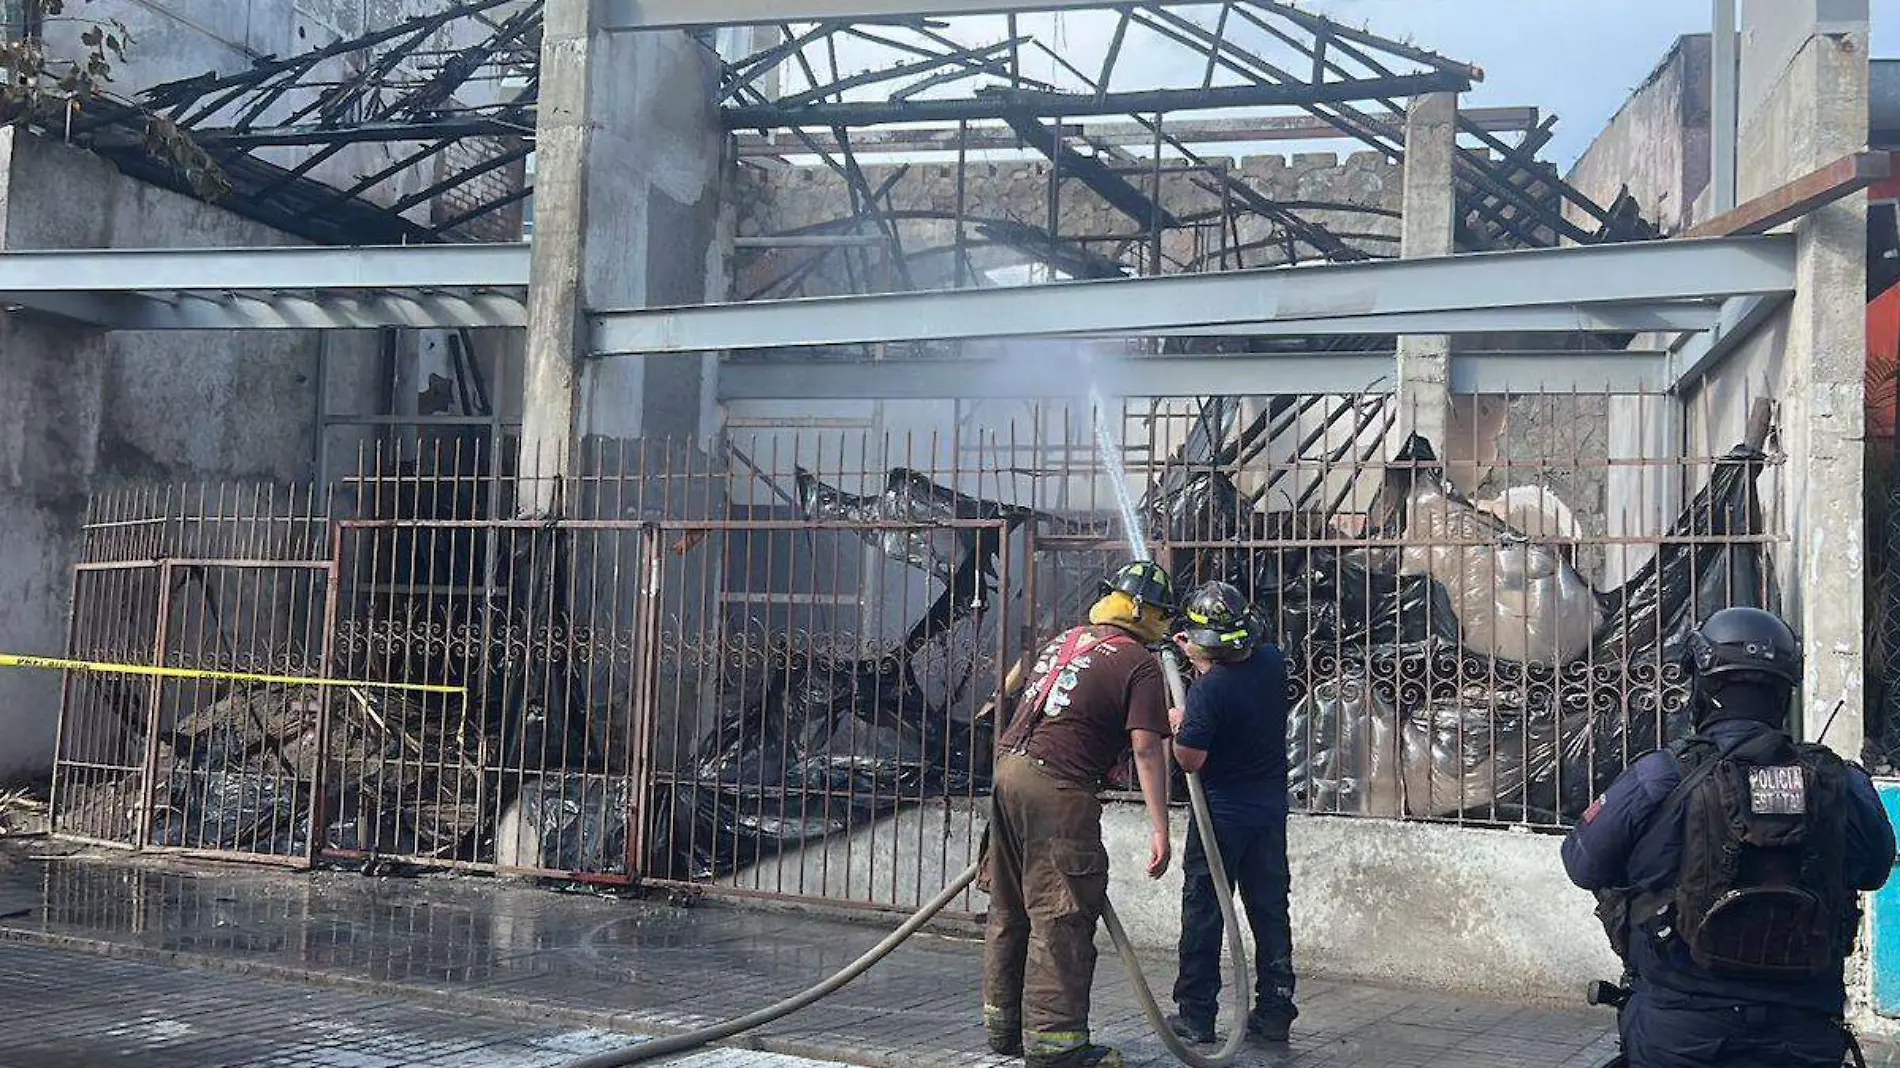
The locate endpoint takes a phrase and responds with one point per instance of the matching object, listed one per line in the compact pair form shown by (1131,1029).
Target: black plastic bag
(1650,616)
(578,822)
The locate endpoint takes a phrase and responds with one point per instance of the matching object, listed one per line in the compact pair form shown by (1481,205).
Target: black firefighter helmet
(1146,582)
(1218,617)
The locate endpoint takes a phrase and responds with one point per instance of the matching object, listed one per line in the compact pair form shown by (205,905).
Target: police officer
(1726,868)
(1233,735)
(1095,691)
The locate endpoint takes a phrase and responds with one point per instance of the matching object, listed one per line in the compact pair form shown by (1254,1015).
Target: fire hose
(1239,983)
(1238,986)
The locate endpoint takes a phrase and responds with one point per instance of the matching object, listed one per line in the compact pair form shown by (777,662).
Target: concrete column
(557,320)
(1426,228)
(1724,95)
(1804,70)
(629,161)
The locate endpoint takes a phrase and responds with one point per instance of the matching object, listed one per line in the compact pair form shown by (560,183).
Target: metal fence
(773,671)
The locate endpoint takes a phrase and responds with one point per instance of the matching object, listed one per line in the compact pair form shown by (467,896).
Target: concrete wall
(176,39)
(651,236)
(84,410)
(654,163)
(1805,104)
(1477,911)
(1481,912)
(1657,144)
(781,199)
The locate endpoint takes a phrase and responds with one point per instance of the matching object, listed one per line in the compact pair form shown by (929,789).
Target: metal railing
(772,671)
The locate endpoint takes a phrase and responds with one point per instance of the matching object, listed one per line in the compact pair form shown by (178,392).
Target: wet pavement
(87,1010)
(499,952)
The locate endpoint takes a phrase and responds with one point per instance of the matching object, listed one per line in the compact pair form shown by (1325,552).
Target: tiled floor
(113,947)
(83,1010)
(504,952)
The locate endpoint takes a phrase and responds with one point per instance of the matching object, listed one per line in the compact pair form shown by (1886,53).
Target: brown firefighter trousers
(1047,876)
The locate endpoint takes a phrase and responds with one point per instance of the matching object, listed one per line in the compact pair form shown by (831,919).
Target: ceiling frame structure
(397,85)
(405,92)
(1355,85)
(1242,374)
(945,138)
(1564,289)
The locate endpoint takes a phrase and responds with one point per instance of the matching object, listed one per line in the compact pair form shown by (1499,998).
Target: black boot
(1005,1032)
(1085,1056)
(1201,1031)
(1006,1039)
(1269,1026)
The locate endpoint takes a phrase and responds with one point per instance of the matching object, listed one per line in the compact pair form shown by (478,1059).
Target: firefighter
(1094,692)
(1727,866)
(1233,735)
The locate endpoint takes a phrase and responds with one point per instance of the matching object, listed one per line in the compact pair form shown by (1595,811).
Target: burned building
(687,544)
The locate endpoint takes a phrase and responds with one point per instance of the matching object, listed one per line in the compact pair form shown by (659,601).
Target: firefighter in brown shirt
(1094,691)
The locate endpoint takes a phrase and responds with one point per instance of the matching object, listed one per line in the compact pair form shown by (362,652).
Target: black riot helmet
(1219,620)
(1744,661)
(1145,581)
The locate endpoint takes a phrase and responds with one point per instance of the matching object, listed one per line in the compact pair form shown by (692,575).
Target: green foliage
(48,92)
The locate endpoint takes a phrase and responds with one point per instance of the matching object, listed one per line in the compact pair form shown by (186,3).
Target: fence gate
(543,627)
(821,727)
(233,767)
(99,761)
(201,581)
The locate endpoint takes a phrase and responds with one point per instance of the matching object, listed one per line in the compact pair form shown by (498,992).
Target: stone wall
(786,199)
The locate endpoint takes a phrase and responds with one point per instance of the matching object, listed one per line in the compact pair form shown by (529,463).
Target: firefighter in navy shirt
(1233,735)
(1726,869)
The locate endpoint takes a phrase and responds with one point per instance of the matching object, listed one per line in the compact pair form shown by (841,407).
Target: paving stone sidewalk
(502,951)
(87,1010)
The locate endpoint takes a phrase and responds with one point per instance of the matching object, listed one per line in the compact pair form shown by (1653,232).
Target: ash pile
(240,774)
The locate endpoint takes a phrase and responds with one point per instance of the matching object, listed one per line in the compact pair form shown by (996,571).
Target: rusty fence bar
(771,670)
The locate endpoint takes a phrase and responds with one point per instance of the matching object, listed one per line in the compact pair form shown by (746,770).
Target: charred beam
(1003,104)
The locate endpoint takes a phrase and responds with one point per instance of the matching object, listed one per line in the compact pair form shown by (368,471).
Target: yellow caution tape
(14,660)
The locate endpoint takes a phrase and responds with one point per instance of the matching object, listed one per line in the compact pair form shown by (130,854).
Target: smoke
(1051,369)
(1058,396)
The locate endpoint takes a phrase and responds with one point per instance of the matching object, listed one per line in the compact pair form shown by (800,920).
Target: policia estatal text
(1726,869)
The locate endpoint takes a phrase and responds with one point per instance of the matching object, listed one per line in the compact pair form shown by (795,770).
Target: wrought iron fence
(774,671)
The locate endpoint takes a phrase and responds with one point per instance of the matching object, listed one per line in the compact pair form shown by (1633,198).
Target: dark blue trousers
(1752,1036)
(1255,857)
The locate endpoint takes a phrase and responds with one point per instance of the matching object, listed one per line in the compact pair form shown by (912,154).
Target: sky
(1576,59)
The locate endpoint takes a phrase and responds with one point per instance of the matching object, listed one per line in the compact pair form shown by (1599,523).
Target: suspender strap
(1079,641)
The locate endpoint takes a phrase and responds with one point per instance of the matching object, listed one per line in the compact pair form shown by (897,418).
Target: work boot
(1269,1027)
(1006,1039)
(1005,1031)
(1085,1056)
(1201,1031)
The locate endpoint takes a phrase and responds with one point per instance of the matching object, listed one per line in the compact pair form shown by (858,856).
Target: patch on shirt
(1596,806)
(1778,791)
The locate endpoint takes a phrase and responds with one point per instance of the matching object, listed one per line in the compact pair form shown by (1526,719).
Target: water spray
(1239,984)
